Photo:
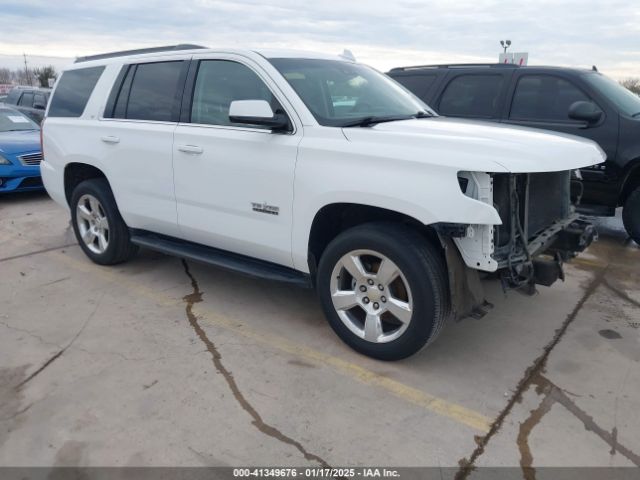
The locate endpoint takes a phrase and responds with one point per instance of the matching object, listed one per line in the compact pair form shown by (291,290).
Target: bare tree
(5,75)
(21,77)
(631,83)
(43,74)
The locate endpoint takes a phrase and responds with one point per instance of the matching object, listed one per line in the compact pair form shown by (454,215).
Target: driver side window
(220,82)
(544,97)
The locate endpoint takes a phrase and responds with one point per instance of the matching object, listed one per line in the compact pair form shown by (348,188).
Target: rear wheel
(631,215)
(99,228)
(383,289)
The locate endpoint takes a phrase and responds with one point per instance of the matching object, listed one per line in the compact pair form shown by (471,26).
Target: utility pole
(27,75)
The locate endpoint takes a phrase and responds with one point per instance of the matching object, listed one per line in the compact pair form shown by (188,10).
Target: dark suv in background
(579,102)
(32,101)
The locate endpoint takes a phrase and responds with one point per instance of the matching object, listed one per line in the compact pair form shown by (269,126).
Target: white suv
(314,170)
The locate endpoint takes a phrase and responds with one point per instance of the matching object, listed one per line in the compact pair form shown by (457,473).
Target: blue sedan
(20,152)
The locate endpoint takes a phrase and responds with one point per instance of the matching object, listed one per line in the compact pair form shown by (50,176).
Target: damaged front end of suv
(540,230)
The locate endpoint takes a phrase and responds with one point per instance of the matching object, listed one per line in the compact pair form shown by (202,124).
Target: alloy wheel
(93,224)
(371,296)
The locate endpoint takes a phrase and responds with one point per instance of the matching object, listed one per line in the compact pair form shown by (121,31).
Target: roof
(29,87)
(198,49)
(289,53)
(140,51)
(482,65)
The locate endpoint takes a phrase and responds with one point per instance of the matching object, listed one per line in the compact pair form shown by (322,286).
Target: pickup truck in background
(580,102)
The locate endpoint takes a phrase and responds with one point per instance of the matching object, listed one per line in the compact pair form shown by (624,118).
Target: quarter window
(544,97)
(154,93)
(73,91)
(220,82)
(472,96)
(40,99)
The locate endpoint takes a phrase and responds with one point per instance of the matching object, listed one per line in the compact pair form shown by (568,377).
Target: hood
(20,142)
(483,146)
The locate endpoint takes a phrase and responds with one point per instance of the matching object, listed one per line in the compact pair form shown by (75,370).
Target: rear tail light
(41,141)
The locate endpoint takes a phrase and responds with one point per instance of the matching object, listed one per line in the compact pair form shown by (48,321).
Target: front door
(234,183)
(543,101)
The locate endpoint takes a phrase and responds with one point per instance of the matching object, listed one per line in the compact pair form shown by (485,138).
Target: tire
(631,215)
(94,214)
(401,312)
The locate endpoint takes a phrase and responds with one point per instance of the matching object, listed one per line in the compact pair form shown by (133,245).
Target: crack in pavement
(196,297)
(552,395)
(466,466)
(44,250)
(61,352)
(526,457)
(28,332)
(14,415)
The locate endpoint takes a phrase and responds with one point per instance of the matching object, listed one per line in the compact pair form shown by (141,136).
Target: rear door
(422,83)
(234,183)
(135,141)
(473,94)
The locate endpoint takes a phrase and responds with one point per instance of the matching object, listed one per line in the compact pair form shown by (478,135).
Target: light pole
(505,44)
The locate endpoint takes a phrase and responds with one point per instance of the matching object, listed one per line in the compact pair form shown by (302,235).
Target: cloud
(382,33)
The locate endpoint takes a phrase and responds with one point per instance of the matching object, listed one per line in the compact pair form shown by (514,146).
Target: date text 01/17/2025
(316,472)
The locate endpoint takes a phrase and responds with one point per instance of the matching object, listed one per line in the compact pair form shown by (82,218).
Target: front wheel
(383,290)
(631,215)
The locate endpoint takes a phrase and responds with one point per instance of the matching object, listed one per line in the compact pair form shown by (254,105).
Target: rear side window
(544,97)
(40,99)
(73,91)
(150,91)
(472,96)
(26,100)
(417,84)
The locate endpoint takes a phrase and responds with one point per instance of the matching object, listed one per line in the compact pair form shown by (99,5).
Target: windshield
(12,121)
(627,101)
(342,93)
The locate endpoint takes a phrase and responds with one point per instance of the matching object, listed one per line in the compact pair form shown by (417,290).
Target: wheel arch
(333,219)
(77,172)
(630,182)
(465,293)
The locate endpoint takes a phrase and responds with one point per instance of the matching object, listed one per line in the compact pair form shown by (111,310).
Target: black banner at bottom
(397,473)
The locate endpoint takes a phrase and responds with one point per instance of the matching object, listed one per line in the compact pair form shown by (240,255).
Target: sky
(381,33)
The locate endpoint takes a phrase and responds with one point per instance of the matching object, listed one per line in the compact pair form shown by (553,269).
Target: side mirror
(39,106)
(257,112)
(585,111)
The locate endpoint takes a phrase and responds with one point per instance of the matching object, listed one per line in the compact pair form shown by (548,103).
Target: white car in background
(242,159)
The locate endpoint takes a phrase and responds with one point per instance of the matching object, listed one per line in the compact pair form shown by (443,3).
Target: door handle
(191,149)
(110,139)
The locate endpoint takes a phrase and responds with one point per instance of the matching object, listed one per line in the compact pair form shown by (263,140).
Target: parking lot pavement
(162,362)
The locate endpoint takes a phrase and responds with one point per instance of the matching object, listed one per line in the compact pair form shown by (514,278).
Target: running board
(233,262)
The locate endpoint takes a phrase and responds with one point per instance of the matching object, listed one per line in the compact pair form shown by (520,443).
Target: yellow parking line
(412,395)
(586,262)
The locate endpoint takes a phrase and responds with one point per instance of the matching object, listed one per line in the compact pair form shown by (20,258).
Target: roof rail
(456,65)
(124,53)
